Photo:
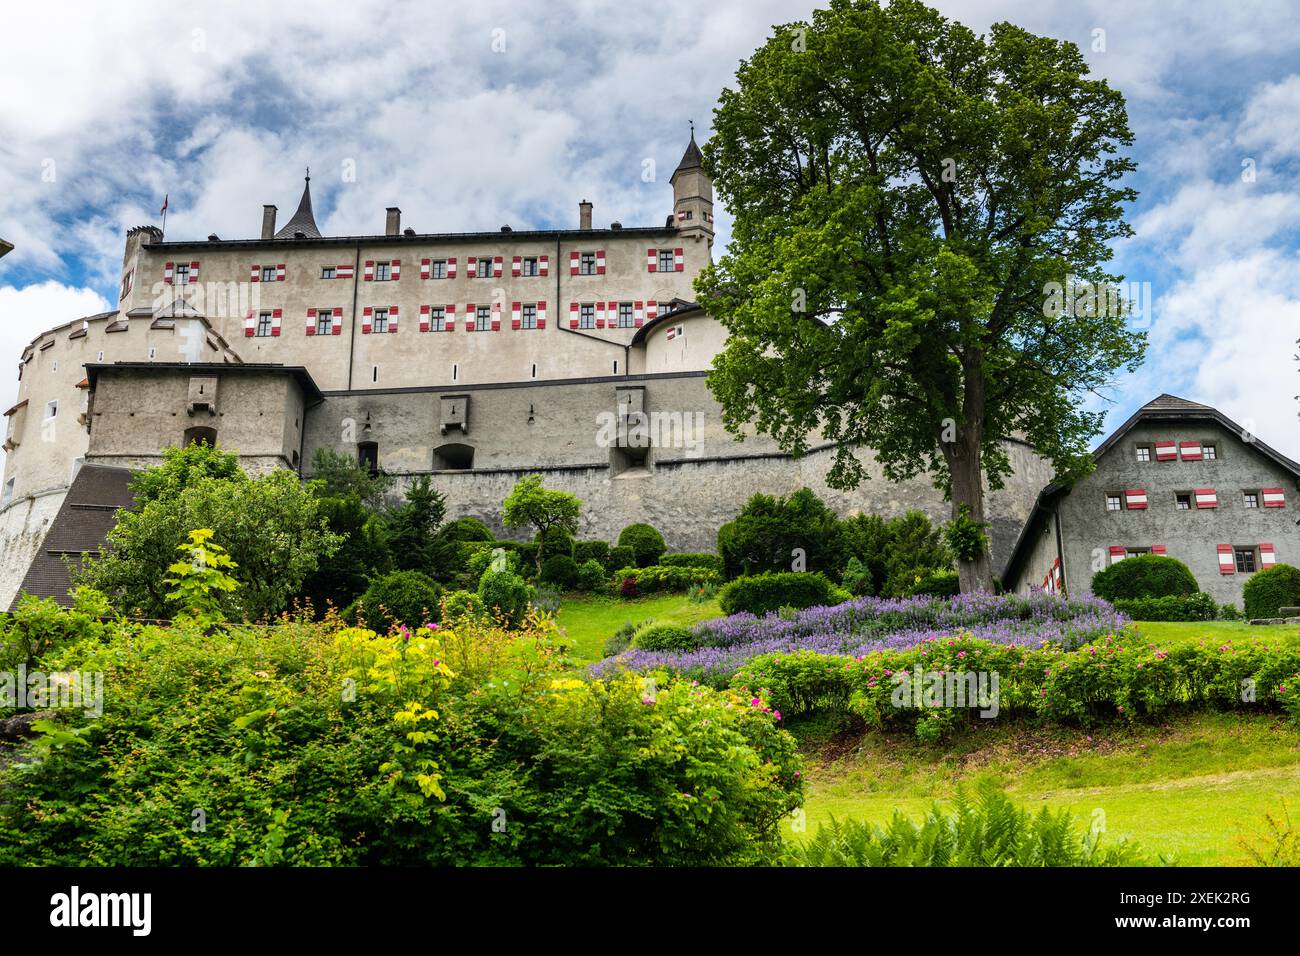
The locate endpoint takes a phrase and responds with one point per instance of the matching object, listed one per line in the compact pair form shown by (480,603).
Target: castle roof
(303,221)
(691,159)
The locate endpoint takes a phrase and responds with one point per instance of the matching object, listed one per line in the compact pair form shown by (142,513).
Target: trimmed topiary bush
(561,571)
(505,595)
(1186,607)
(1268,591)
(768,529)
(402,597)
(646,543)
(584,551)
(619,557)
(936,584)
(664,637)
(761,593)
(657,578)
(693,559)
(1144,576)
(467,529)
(558,541)
(592,575)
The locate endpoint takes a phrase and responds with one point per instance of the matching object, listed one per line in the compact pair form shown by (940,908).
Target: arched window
(453,457)
(201,435)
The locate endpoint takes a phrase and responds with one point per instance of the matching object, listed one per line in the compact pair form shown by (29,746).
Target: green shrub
(618,557)
(1230,612)
(936,584)
(561,571)
(857,578)
(592,576)
(483,556)
(664,637)
(1268,591)
(462,605)
(467,529)
(657,578)
(1189,607)
(986,830)
(762,593)
(546,600)
(1143,576)
(764,536)
(505,595)
(646,543)
(401,597)
(558,541)
(526,552)
(584,551)
(702,593)
(38,626)
(886,558)
(697,559)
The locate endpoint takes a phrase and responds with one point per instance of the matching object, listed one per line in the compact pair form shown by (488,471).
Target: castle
(475,358)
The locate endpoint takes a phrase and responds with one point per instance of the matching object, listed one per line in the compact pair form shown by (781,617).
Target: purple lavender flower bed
(873,624)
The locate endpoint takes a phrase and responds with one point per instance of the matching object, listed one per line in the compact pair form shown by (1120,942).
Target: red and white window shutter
(250,323)
(471,315)
(1267,556)
(367,320)
(1166,451)
(1135,498)
(516,266)
(369,274)
(573,315)
(424,268)
(679,259)
(424,318)
(194,272)
(451,268)
(638,314)
(1116,553)
(516,313)
(396,270)
(450,314)
(652,310)
(169,269)
(254,273)
(344,272)
(471,266)
(541,314)
(276,316)
(337,324)
(544,266)
(1191,450)
(600,262)
(1273,497)
(279,272)
(651,260)
(573,262)
(311,321)
(496,316)
(392,319)
(1206,498)
(1227,563)
(600,315)
(496,267)
(1159,549)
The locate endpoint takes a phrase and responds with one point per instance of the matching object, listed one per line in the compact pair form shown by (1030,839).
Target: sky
(473,115)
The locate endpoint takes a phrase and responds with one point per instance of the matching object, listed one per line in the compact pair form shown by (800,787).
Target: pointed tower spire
(693,194)
(303,221)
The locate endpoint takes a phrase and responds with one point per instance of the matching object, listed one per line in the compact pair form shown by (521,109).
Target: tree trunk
(965,466)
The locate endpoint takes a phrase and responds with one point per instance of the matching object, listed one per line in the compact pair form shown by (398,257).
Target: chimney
(584,215)
(393,225)
(268,222)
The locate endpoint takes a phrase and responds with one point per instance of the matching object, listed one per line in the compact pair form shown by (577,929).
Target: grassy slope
(590,620)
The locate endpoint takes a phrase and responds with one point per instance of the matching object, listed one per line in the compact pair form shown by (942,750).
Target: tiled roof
(303,220)
(1172,403)
(691,159)
(86,516)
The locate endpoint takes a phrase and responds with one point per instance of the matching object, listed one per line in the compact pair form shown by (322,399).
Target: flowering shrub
(660,578)
(870,624)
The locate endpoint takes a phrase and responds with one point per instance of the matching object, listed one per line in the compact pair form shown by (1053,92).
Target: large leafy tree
(905,193)
(529,505)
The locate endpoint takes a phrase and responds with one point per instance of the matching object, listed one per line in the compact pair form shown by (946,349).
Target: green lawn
(589,620)
(1168,632)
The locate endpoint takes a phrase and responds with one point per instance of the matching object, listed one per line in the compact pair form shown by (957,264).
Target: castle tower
(693,195)
(302,224)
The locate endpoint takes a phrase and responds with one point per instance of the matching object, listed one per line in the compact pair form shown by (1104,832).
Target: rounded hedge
(936,584)
(1144,576)
(505,595)
(402,597)
(561,571)
(619,557)
(664,637)
(693,559)
(1269,591)
(646,543)
(763,593)
(591,575)
(584,551)
(467,529)
(558,541)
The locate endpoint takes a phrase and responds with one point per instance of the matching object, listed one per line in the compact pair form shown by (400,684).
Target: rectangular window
(51,408)
(529,266)
(1250,499)
(1114,503)
(1183,500)
(587,264)
(381,320)
(667,263)
(268,273)
(485,267)
(1209,452)
(1136,552)
(437,319)
(182,273)
(264,323)
(1245,560)
(625,315)
(483,318)
(324,321)
(329,272)
(383,271)
(587,316)
(529,317)
(438,269)
(1143,452)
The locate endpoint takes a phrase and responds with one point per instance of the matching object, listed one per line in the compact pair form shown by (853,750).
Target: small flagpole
(166,198)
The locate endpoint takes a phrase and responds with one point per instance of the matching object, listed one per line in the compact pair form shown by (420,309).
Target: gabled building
(1180,479)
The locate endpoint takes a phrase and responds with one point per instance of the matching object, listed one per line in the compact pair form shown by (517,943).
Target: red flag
(164,208)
